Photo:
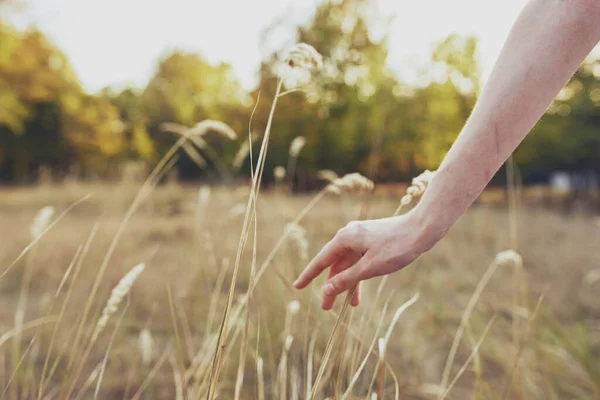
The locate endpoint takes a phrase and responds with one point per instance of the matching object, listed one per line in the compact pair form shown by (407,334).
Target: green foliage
(187,89)
(567,137)
(47,118)
(354,113)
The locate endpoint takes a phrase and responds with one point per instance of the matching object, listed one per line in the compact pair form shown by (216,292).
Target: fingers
(340,265)
(348,278)
(326,257)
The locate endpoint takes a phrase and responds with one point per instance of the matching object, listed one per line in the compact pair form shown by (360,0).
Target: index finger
(327,256)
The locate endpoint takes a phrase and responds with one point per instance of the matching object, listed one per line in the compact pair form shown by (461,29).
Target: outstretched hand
(366,249)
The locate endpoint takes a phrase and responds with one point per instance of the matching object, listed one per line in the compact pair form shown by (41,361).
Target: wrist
(429,227)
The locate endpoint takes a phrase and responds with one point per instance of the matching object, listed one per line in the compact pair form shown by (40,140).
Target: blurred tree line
(355,114)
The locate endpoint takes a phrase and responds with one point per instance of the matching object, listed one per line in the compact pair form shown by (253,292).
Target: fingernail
(328,289)
(296,282)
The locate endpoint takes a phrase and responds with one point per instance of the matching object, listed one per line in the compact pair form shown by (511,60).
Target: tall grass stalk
(142,193)
(161,360)
(84,252)
(16,368)
(179,359)
(223,331)
(521,346)
(120,291)
(177,378)
(513,239)
(38,238)
(379,375)
(362,365)
(295,148)
(465,317)
(243,348)
(329,346)
(366,320)
(473,354)
(106,354)
(260,377)
(50,345)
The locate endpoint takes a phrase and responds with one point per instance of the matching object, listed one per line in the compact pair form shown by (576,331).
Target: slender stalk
(466,315)
(521,346)
(144,191)
(243,348)
(330,344)
(214,374)
(474,352)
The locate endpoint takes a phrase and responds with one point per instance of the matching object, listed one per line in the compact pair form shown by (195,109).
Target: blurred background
(85,86)
(95,94)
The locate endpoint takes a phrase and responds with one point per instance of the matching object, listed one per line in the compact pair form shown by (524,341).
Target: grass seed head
(288,342)
(354,182)
(41,221)
(116,297)
(327,175)
(200,129)
(508,258)
(296,146)
(237,210)
(298,63)
(417,187)
(304,56)
(203,196)
(297,236)
(208,125)
(279,173)
(293,306)
(145,343)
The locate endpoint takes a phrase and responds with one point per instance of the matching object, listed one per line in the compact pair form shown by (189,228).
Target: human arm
(545,46)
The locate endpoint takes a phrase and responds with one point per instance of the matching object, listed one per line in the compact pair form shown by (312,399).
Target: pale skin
(546,44)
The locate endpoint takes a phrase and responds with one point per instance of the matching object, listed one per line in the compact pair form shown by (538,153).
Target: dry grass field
(527,332)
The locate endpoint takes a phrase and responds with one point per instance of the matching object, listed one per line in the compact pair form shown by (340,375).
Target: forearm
(547,43)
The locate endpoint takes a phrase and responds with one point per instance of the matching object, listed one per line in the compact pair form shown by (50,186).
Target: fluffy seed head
(41,221)
(145,342)
(174,128)
(417,187)
(327,175)
(293,306)
(508,258)
(298,63)
(238,209)
(304,56)
(201,129)
(117,295)
(296,146)
(297,236)
(354,182)
(279,173)
(288,342)
(203,196)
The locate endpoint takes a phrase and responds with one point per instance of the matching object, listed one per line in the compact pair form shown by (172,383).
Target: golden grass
(187,247)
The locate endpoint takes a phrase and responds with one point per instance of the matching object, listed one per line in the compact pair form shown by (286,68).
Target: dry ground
(189,250)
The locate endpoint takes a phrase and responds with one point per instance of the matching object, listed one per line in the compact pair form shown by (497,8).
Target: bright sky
(118,42)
